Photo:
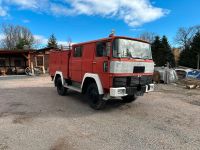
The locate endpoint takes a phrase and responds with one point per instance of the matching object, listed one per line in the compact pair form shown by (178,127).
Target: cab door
(101,62)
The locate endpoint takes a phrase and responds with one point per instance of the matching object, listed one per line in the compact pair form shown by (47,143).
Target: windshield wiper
(137,57)
(128,53)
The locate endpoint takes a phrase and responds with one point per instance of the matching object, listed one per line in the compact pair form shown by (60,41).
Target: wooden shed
(40,58)
(14,61)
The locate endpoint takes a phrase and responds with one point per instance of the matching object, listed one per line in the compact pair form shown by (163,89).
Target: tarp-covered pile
(166,75)
(189,77)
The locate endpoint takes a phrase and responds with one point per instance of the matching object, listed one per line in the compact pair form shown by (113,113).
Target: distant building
(16,61)
(40,58)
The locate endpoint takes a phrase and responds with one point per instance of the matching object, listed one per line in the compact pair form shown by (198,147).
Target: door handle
(94,62)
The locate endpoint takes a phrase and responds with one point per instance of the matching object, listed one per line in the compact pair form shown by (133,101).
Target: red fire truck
(111,68)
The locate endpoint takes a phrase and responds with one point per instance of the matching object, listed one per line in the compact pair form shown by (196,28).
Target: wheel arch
(91,78)
(58,74)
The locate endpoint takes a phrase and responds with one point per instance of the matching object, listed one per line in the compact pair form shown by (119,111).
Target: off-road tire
(95,100)
(60,88)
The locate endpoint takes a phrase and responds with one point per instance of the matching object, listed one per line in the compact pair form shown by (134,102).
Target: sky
(83,20)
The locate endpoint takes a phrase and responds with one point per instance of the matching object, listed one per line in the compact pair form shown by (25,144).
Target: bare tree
(147,36)
(184,36)
(16,37)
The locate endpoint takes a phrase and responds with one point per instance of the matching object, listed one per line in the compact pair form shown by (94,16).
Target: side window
(101,49)
(78,51)
(39,60)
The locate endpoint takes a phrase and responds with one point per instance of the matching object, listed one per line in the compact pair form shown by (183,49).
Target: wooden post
(29,60)
(9,62)
(35,61)
(9,68)
(32,70)
(43,68)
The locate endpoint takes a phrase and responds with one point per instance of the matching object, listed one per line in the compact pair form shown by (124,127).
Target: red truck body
(59,60)
(116,73)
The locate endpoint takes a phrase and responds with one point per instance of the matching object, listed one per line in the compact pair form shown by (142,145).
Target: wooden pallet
(191,83)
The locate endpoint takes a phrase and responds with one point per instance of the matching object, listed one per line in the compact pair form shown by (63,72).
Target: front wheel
(129,99)
(60,88)
(95,100)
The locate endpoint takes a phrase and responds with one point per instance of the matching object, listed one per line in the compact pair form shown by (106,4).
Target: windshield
(125,48)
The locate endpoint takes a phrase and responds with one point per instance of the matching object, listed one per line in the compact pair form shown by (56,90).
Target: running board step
(73,88)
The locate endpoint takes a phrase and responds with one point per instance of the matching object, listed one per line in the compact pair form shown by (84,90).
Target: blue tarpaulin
(194,74)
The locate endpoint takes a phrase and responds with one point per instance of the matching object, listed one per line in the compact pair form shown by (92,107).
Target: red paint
(59,61)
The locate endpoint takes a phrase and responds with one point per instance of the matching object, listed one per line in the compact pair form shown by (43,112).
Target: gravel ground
(34,117)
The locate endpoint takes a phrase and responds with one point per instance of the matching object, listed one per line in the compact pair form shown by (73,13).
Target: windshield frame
(131,39)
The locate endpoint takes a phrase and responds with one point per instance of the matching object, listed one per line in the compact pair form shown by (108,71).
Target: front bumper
(118,92)
(124,91)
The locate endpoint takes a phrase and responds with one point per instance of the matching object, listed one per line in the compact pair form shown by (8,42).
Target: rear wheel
(60,88)
(129,98)
(95,100)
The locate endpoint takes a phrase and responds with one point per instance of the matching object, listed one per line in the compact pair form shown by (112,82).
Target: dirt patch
(4,114)
(15,104)
(195,102)
(3,147)
(60,110)
(24,118)
(62,144)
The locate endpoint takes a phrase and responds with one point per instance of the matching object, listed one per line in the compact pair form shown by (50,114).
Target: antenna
(112,33)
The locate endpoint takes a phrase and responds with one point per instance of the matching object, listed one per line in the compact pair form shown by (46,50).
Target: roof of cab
(110,38)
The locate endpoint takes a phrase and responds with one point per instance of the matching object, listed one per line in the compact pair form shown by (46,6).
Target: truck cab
(111,68)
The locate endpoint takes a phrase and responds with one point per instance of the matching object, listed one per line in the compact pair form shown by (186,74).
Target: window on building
(102,49)
(2,63)
(78,51)
(18,63)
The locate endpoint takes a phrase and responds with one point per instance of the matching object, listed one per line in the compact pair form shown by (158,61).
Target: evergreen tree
(155,50)
(167,55)
(188,57)
(162,52)
(185,58)
(195,49)
(52,42)
(22,43)
(195,45)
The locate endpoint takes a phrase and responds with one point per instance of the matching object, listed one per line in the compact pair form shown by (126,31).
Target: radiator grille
(131,81)
(138,69)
